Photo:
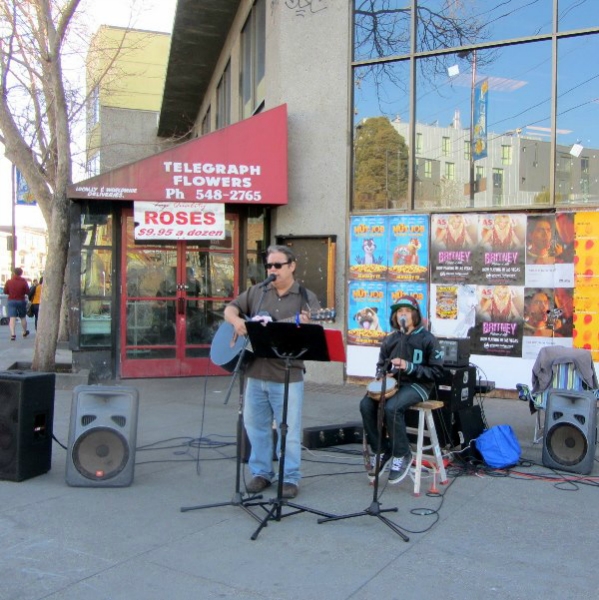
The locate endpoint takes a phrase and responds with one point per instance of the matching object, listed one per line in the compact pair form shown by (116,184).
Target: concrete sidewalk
(529,533)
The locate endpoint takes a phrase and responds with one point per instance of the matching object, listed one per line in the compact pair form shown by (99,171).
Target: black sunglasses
(275,265)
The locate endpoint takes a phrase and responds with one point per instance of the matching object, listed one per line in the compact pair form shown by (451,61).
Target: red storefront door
(173,294)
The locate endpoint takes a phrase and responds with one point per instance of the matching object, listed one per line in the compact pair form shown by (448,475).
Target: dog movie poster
(368,248)
(368,313)
(408,248)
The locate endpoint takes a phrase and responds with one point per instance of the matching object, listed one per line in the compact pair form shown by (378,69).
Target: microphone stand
(375,510)
(238,496)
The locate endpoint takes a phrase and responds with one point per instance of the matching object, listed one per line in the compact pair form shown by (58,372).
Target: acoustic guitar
(226,346)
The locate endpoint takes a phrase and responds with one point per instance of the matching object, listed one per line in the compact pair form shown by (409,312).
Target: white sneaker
(385,458)
(400,468)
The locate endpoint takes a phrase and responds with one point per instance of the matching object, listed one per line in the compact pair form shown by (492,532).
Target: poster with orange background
(586,283)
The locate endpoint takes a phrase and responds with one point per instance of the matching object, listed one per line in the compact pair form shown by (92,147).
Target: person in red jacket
(17,290)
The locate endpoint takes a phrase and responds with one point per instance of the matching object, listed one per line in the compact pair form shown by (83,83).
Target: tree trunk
(63,330)
(44,356)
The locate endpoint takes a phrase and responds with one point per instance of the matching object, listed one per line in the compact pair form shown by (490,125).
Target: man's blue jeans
(264,402)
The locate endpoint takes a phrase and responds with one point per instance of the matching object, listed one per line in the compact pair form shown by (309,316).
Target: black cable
(59,443)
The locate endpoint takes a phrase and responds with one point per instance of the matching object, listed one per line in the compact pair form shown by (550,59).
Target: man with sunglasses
(283,299)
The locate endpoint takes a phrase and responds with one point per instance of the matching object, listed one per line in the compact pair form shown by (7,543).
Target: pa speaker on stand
(26,419)
(570,431)
(102,436)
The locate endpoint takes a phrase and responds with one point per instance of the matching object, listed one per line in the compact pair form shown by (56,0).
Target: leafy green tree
(380,165)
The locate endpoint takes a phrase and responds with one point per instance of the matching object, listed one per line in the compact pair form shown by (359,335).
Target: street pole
(473,84)
(13,225)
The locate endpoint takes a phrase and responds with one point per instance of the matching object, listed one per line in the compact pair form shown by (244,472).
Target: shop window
(96,270)
(253,60)
(223,99)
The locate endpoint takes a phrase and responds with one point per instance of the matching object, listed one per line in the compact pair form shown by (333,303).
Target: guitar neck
(326,315)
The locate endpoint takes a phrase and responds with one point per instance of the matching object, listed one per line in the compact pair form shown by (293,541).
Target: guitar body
(225,349)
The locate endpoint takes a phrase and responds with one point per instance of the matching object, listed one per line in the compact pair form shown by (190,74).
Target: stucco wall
(307,68)
(127,136)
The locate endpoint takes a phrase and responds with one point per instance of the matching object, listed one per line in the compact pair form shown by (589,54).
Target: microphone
(268,280)
(403,324)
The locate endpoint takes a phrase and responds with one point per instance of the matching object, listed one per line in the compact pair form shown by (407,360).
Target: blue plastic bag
(499,447)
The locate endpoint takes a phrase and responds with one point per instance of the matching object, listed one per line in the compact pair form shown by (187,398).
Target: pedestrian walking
(35,297)
(17,290)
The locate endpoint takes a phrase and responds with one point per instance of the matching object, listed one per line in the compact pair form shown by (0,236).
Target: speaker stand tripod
(288,342)
(375,510)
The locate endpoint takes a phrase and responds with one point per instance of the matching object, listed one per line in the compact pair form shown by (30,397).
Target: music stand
(375,510)
(289,342)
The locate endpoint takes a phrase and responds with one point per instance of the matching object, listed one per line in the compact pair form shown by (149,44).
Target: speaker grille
(566,444)
(8,446)
(119,420)
(100,453)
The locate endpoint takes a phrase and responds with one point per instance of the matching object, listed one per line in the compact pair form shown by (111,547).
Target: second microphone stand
(375,510)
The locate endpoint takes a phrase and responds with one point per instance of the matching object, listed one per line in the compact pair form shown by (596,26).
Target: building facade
(125,78)
(399,116)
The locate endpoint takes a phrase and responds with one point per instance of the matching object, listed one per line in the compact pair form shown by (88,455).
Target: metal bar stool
(431,451)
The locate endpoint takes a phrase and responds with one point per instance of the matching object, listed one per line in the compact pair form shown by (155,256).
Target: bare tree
(42,54)
(35,119)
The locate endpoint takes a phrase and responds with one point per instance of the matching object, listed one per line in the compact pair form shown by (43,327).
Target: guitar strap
(304,295)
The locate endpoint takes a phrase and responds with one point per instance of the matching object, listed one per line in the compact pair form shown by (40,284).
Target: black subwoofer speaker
(570,431)
(102,436)
(26,419)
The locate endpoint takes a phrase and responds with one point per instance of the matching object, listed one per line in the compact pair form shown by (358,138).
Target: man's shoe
(290,490)
(399,468)
(26,333)
(385,458)
(257,484)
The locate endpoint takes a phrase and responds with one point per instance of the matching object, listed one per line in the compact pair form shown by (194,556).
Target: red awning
(245,163)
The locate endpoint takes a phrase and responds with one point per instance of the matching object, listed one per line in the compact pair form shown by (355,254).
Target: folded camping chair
(561,368)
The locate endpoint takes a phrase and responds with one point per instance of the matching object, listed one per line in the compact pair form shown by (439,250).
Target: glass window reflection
(443,24)
(577,152)
(577,14)
(381,28)
(516,143)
